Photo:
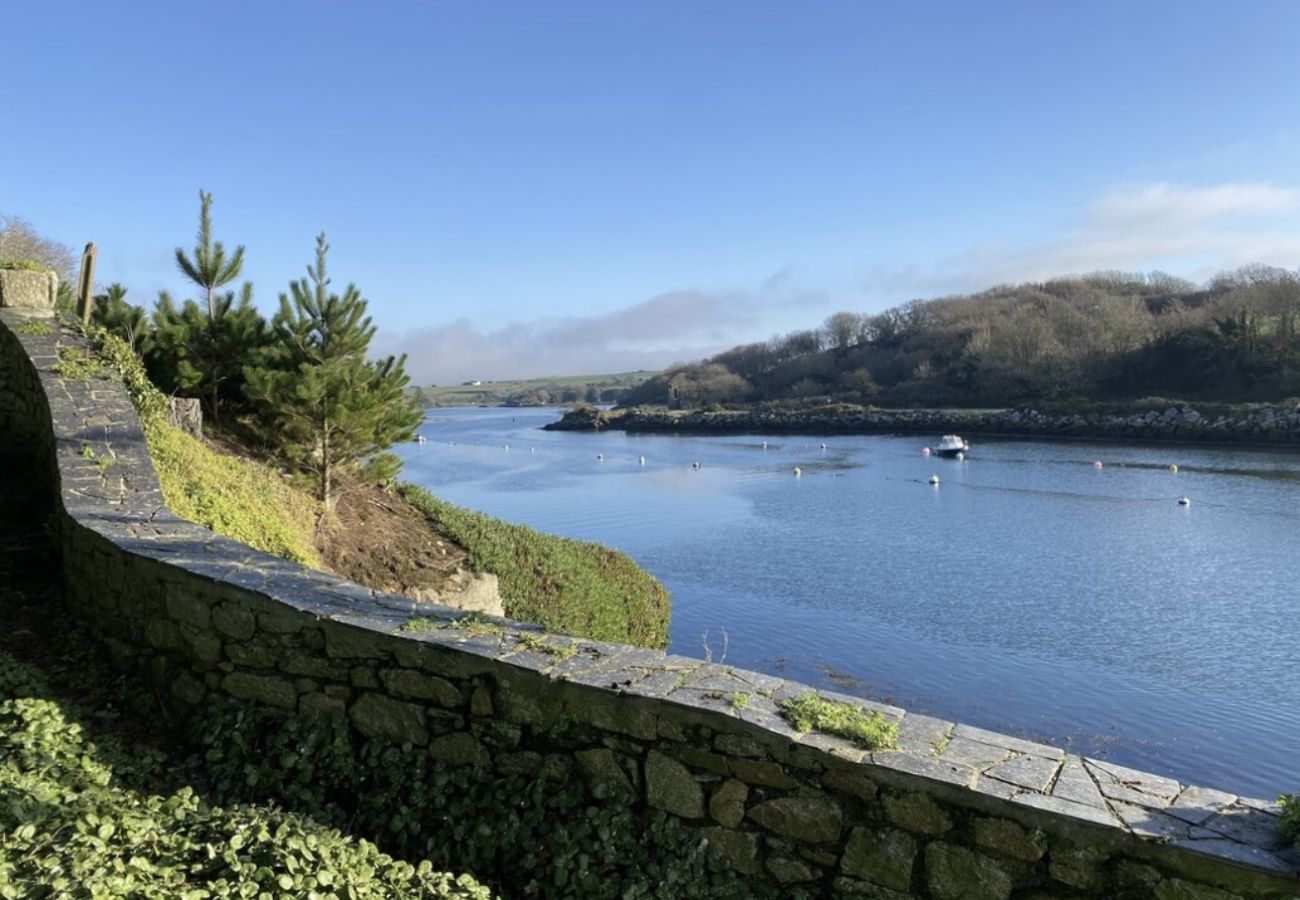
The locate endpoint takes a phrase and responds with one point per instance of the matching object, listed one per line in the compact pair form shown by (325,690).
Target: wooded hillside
(1104,336)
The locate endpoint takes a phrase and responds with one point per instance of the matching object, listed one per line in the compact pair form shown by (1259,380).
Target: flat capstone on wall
(953,812)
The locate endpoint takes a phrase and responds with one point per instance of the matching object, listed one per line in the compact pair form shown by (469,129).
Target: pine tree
(127,321)
(209,268)
(203,355)
(200,356)
(322,402)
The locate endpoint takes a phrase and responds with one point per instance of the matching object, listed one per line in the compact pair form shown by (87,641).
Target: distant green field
(551,391)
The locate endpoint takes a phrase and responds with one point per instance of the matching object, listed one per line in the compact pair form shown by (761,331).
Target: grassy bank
(569,586)
(577,588)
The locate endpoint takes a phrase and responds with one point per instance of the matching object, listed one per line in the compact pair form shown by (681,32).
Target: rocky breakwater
(1272,424)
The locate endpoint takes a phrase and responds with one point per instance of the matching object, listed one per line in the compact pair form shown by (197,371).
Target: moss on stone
(872,730)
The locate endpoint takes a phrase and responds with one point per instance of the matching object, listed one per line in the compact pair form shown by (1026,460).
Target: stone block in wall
(670,786)
(480,702)
(1008,839)
(185,606)
(320,706)
(460,750)
(1080,867)
(255,655)
(727,804)
(602,768)
(313,666)
(204,647)
(375,715)
(738,849)
(28,290)
(883,856)
(268,689)
(351,642)
(788,870)
(917,813)
(418,686)
(955,873)
(763,773)
(811,818)
(234,621)
(852,783)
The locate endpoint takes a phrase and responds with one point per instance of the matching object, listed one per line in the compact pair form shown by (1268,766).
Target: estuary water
(1030,592)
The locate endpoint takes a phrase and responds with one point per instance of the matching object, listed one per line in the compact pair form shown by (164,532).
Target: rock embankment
(1272,424)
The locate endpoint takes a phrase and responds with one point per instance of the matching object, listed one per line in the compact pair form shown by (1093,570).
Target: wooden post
(84,301)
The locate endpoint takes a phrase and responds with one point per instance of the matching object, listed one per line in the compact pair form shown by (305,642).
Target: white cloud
(670,327)
(1189,231)
(1177,204)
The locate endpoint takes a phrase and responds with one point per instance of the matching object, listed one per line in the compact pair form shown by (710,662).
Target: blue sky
(558,187)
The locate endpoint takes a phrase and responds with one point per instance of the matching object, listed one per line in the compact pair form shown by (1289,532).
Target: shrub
(573,587)
(1291,817)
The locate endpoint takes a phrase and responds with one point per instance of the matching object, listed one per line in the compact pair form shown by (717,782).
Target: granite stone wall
(953,812)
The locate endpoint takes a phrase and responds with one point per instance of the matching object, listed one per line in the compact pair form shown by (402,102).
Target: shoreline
(1256,425)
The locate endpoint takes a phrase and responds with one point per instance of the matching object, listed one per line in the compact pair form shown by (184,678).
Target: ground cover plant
(80,821)
(573,587)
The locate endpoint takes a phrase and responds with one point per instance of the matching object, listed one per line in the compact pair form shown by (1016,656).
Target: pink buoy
(925,451)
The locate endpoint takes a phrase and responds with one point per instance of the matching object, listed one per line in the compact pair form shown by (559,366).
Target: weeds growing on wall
(871,730)
(35,327)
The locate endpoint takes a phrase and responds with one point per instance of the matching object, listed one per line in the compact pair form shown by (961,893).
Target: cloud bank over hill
(1191,231)
(683,325)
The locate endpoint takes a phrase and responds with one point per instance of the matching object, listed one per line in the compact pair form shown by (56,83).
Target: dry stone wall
(953,812)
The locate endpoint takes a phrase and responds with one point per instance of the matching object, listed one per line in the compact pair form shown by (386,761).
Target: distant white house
(474,383)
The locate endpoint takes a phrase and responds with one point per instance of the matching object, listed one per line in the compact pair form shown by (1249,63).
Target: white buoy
(1174,468)
(823,446)
(961,454)
(641,460)
(1184,501)
(419,439)
(934,480)
(925,451)
(1096,464)
(600,457)
(507,448)
(695,465)
(797,471)
(764,445)
(532,449)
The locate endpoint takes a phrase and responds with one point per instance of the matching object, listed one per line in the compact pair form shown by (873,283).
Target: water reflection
(1028,592)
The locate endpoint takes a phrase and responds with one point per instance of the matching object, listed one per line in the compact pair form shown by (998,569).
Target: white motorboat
(950,446)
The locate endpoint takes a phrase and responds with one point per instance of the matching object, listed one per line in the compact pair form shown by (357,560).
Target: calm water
(1029,593)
